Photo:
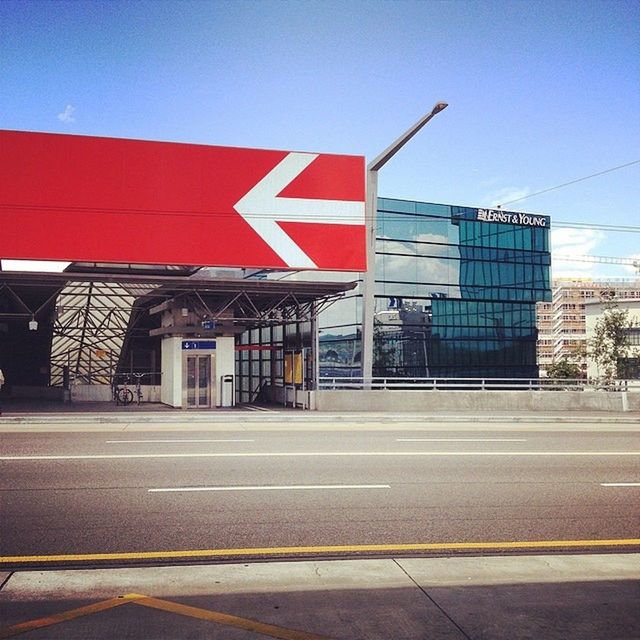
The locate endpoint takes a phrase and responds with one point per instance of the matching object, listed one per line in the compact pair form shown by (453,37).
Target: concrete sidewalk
(496,597)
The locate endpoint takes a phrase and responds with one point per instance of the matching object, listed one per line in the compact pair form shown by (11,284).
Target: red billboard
(79,198)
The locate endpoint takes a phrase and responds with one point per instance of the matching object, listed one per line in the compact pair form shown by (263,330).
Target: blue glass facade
(456,289)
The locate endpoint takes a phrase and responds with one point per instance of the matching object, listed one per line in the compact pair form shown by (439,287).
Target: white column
(171,366)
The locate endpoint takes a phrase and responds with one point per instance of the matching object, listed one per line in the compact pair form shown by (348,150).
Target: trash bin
(227,393)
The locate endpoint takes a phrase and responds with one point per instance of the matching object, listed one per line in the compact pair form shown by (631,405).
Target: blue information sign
(192,345)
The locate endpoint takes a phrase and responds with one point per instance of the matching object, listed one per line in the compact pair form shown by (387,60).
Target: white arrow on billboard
(263,209)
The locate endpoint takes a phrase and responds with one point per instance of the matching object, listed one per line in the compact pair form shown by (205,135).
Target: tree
(610,346)
(383,354)
(564,368)
(577,353)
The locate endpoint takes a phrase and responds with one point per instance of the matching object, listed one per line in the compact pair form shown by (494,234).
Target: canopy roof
(92,311)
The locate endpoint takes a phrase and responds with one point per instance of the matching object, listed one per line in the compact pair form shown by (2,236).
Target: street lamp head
(390,151)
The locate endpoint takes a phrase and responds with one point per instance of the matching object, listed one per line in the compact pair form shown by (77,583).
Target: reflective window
(454,296)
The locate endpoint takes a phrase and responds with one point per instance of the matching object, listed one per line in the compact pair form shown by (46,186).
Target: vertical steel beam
(369,277)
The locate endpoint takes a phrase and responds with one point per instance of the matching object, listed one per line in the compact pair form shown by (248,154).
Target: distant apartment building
(562,330)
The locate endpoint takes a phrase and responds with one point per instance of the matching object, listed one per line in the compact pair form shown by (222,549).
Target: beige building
(562,329)
(593,311)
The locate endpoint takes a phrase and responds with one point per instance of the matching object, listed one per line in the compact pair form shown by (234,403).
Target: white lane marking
(295,487)
(169,441)
(460,440)
(330,454)
(620,484)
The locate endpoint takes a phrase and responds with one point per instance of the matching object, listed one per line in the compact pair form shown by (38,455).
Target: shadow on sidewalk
(581,610)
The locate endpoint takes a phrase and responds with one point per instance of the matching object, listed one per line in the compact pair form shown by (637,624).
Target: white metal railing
(478,384)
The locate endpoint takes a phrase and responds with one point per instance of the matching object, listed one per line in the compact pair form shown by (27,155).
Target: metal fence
(478,384)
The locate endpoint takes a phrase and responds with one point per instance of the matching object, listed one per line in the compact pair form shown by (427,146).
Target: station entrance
(198,389)
(186,338)
(262,220)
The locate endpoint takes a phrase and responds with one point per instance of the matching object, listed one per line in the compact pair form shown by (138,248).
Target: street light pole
(371,209)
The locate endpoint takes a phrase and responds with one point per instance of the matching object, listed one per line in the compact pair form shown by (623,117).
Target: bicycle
(122,395)
(138,394)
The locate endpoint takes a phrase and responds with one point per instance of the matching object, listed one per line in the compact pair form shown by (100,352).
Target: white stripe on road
(333,454)
(169,441)
(620,484)
(275,488)
(460,440)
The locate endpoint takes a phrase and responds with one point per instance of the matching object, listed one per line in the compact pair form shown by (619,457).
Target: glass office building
(455,295)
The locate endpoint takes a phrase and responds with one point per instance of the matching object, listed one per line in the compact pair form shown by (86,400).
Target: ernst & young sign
(512,217)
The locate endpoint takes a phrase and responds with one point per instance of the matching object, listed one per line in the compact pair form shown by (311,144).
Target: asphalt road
(168,490)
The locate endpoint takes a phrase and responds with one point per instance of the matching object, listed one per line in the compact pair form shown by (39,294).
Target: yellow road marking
(291,551)
(23,627)
(227,620)
(165,605)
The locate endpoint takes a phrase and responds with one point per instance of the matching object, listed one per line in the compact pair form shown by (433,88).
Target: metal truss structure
(90,325)
(93,312)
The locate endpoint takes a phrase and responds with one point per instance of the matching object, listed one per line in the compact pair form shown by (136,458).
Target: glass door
(197,392)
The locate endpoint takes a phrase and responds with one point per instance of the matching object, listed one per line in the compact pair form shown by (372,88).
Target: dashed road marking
(461,440)
(299,487)
(182,441)
(620,484)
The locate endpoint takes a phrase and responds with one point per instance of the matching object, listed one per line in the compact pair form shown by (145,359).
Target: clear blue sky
(540,93)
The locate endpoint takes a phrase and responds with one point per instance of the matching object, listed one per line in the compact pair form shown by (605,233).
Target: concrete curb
(235,418)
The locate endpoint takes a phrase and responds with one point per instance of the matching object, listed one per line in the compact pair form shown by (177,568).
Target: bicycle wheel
(125,396)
